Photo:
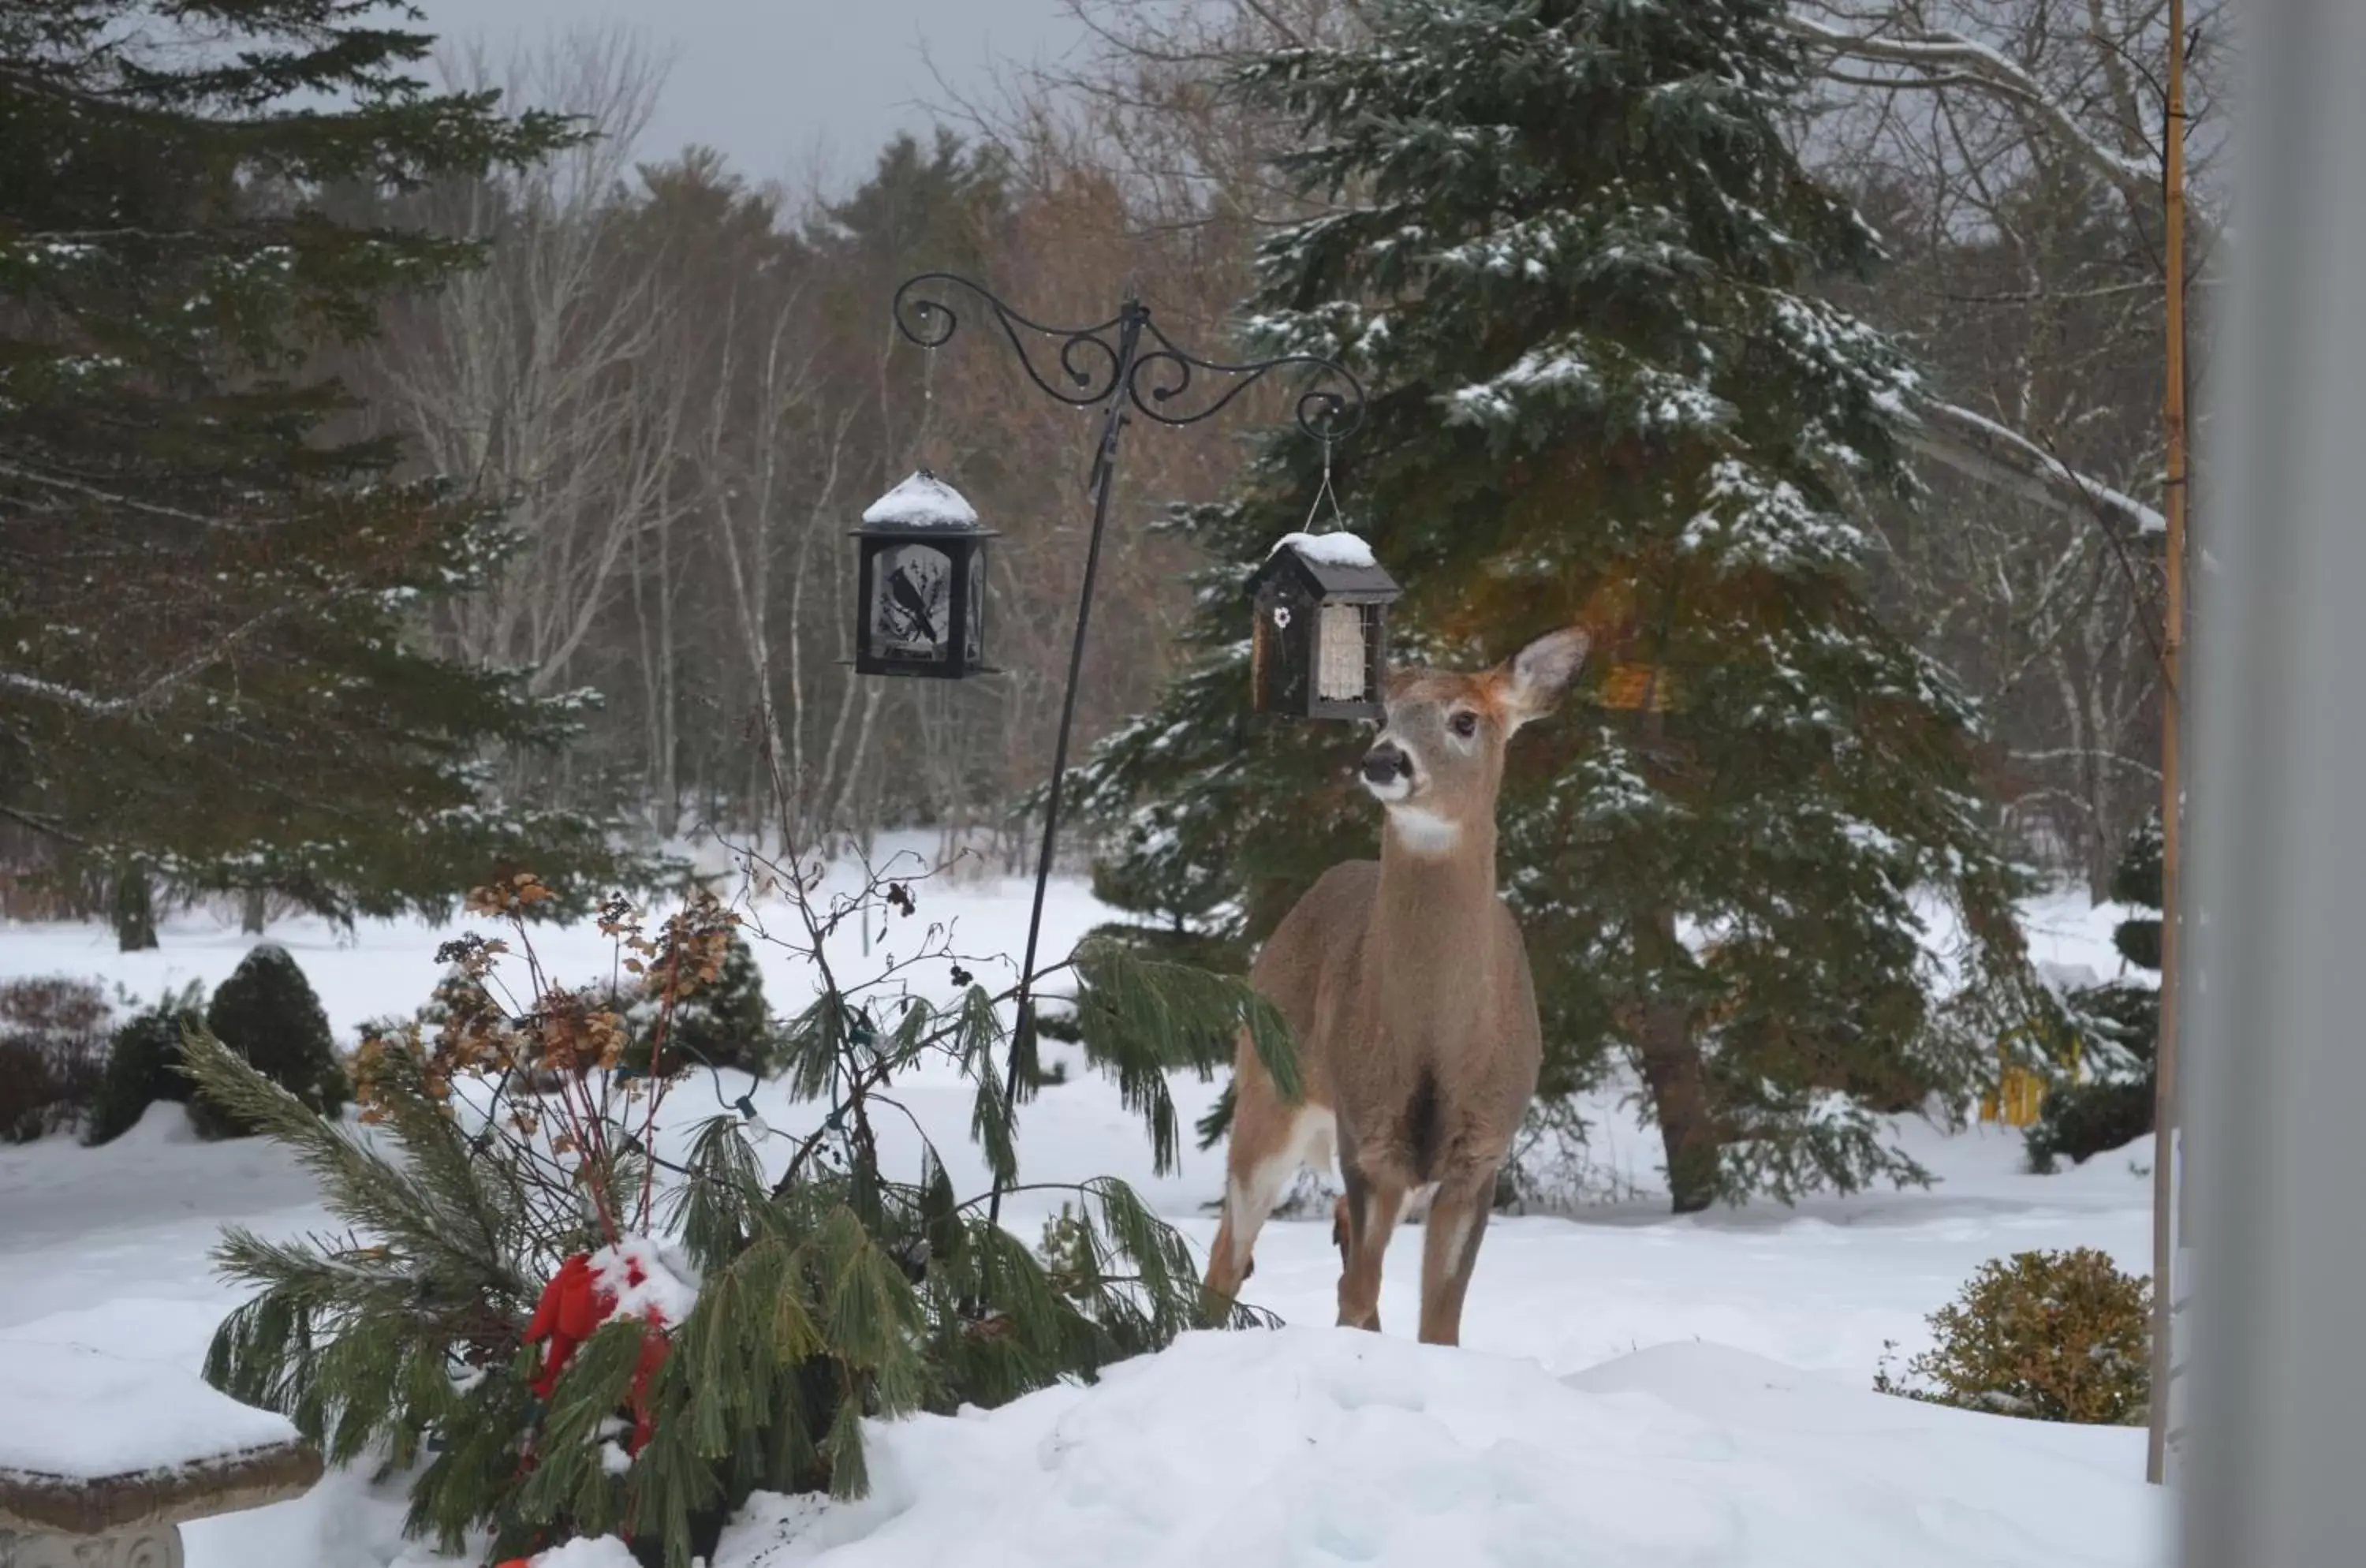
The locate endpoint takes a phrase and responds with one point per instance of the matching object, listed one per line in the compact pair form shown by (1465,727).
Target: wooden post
(2172,642)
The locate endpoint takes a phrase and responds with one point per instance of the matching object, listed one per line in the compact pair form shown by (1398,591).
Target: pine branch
(840,1295)
(430,1213)
(1141,1018)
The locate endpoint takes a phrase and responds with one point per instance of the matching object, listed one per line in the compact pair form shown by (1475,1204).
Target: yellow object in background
(1632,686)
(2018,1098)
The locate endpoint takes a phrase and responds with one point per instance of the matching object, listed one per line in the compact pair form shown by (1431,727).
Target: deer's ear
(1533,680)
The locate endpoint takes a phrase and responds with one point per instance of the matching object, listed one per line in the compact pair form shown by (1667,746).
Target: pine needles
(506,1135)
(1143,1017)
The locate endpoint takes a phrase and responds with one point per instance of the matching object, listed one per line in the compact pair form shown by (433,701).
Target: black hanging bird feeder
(920,598)
(1319,647)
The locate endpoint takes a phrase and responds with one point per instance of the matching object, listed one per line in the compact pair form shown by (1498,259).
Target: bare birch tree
(533,378)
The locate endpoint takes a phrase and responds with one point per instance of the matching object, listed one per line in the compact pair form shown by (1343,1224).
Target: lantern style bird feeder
(920,594)
(1319,647)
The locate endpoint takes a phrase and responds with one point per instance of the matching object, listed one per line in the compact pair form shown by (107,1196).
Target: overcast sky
(774,82)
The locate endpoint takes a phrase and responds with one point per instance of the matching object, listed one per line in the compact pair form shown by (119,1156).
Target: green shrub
(2049,1335)
(2138,881)
(2110,1103)
(143,1063)
(724,1023)
(267,1013)
(2079,1121)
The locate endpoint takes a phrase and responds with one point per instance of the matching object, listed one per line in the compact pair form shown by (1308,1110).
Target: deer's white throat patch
(1423,831)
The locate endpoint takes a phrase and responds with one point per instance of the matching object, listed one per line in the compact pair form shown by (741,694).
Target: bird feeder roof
(1337,567)
(922,503)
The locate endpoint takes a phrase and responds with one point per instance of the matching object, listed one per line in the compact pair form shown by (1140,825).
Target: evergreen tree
(1567,245)
(725,1026)
(2138,881)
(143,1063)
(2110,1102)
(268,1013)
(208,570)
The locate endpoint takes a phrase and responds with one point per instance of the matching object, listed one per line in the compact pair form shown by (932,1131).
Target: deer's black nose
(1386,762)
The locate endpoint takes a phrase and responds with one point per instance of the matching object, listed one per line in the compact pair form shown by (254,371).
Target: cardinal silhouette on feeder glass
(913,601)
(912,597)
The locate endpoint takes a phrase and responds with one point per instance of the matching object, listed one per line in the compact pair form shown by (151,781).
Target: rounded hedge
(268,1013)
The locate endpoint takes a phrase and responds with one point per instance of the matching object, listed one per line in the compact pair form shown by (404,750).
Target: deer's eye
(1466,725)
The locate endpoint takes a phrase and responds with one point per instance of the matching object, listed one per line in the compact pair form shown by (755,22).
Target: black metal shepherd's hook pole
(1105,364)
(1104,478)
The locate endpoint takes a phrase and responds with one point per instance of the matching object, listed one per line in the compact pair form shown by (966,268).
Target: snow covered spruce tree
(211,574)
(1568,245)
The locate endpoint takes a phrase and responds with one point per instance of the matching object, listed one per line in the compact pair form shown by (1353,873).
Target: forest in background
(684,384)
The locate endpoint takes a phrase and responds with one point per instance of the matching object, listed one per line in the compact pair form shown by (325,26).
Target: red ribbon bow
(574,1304)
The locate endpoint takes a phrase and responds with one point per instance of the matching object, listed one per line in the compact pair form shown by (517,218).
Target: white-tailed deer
(1407,985)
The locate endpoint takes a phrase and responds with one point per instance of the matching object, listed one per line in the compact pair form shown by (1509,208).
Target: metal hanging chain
(927,408)
(1337,515)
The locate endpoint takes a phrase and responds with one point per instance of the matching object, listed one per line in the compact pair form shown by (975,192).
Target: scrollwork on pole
(1082,365)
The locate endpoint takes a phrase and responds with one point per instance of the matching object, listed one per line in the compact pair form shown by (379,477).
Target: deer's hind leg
(1270,1143)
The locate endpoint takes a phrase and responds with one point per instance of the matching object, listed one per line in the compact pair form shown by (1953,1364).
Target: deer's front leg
(1374,1200)
(1449,1248)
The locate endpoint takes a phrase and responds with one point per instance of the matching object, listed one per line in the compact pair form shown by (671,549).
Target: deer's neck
(1437,895)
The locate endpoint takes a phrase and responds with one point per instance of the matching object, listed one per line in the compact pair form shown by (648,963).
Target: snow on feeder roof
(1337,567)
(1327,550)
(922,500)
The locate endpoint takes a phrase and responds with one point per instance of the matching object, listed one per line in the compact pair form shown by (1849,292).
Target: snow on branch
(107,494)
(1981,449)
(155,692)
(1933,58)
(65,697)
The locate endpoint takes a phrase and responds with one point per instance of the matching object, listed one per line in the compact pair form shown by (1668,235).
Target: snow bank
(165,1122)
(1318,1446)
(81,1413)
(1329,549)
(923,500)
(604,1551)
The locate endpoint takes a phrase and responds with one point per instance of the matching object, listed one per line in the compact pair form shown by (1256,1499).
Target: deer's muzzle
(1387,762)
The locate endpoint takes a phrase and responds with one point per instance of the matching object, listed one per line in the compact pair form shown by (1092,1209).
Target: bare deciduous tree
(534,376)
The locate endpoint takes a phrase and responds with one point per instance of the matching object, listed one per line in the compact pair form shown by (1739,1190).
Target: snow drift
(1323,1446)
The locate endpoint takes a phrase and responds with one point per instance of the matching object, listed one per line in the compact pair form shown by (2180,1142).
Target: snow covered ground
(1324,1446)
(1635,1390)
